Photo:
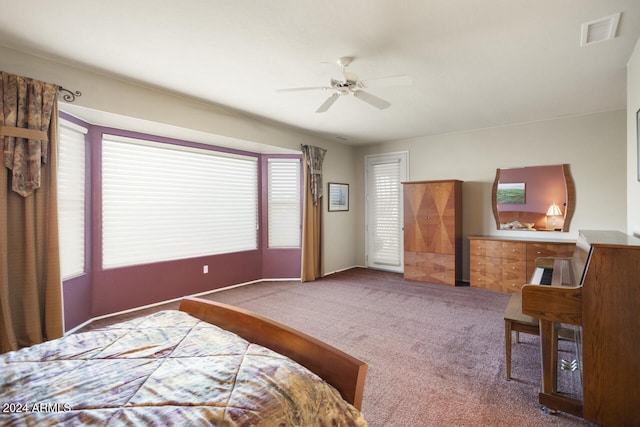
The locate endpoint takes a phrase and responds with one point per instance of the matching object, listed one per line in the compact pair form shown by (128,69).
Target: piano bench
(515,321)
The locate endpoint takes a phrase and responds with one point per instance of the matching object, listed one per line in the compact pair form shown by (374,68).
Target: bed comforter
(168,368)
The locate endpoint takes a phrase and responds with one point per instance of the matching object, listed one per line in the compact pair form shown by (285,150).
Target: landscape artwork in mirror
(511,193)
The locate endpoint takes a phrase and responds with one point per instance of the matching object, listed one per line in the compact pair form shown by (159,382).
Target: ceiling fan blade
(298,89)
(328,103)
(401,80)
(371,99)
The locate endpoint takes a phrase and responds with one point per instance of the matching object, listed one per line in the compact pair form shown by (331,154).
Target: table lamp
(554,211)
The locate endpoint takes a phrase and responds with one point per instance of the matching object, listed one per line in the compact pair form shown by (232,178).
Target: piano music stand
(515,321)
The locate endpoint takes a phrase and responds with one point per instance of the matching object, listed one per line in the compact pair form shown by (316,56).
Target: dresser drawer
(485,248)
(498,274)
(510,286)
(430,267)
(497,249)
(486,280)
(448,276)
(537,250)
(513,250)
(484,264)
(477,279)
(484,271)
(514,275)
(441,261)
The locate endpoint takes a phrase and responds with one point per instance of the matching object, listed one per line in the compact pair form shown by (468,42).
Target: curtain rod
(69,96)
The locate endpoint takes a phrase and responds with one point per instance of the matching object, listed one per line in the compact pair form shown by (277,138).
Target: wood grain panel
(424,266)
(611,336)
(432,225)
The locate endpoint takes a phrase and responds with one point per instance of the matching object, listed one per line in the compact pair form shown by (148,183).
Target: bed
(205,364)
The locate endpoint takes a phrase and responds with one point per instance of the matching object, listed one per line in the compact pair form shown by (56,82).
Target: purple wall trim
(281,263)
(277,263)
(129,287)
(130,134)
(77,301)
(100,292)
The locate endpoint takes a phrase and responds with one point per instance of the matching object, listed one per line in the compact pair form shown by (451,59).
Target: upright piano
(599,308)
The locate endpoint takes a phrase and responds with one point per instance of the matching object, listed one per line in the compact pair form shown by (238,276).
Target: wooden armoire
(433,231)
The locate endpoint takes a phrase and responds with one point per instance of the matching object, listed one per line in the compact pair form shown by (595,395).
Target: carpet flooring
(435,352)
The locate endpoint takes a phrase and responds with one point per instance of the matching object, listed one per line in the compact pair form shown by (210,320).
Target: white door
(384,237)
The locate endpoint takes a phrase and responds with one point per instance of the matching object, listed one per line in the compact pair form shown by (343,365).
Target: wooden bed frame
(342,371)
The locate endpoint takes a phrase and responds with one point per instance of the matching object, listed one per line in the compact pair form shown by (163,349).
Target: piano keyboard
(560,275)
(542,276)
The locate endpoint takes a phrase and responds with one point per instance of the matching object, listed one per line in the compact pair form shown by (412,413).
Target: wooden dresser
(433,231)
(506,264)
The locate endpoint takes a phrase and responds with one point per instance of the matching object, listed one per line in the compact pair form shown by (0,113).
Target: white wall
(596,147)
(109,101)
(339,228)
(106,99)
(593,145)
(633,105)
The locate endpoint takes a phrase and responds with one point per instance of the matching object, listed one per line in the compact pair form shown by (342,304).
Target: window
(164,202)
(284,202)
(71,198)
(384,175)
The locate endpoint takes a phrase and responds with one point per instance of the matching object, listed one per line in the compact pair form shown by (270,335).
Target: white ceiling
(474,63)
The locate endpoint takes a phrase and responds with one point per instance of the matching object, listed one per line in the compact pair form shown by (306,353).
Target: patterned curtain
(314,156)
(27,106)
(311,264)
(30,284)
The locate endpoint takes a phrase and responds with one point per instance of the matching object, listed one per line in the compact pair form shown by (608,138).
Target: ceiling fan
(352,85)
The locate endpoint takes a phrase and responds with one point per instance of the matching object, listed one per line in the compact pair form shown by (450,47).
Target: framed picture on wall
(638,140)
(511,193)
(338,197)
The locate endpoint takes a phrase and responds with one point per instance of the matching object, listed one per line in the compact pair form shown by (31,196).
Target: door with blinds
(384,238)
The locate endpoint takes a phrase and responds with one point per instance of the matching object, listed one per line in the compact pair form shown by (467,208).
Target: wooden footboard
(342,371)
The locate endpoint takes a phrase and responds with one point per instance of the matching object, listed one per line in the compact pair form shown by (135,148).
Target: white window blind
(71,198)
(164,202)
(385,213)
(284,202)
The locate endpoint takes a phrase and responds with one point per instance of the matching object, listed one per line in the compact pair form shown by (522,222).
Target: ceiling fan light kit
(352,85)
(345,61)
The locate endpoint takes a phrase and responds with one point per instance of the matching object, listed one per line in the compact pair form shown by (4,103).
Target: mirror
(533,198)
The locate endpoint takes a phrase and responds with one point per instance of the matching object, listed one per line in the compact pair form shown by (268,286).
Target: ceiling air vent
(600,30)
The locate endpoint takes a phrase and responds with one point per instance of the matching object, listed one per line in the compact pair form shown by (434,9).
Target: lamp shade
(554,210)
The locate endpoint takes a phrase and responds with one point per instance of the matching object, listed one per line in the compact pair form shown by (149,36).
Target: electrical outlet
(205,269)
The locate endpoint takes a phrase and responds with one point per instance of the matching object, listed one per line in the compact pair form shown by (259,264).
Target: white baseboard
(342,269)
